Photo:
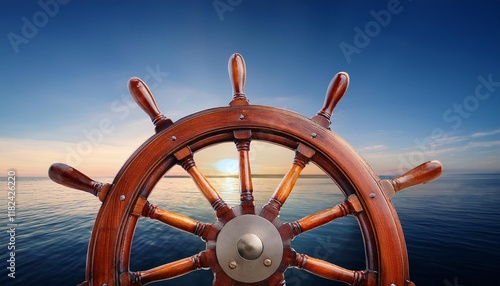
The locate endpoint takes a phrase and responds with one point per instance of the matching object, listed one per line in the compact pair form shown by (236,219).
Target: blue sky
(425,76)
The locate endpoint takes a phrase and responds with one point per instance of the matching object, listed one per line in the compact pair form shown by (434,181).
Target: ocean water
(451,225)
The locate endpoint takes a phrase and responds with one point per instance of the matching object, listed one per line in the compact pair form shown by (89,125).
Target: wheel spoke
(290,230)
(170,270)
(328,270)
(302,156)
(146,209)
(223,211)
(242,140)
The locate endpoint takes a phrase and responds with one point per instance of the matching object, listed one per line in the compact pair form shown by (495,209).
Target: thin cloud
(447,140)
(373,148)
(484,144)
(33,157)
(482,134)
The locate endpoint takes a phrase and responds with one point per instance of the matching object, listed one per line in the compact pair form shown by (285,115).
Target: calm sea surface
(452,229)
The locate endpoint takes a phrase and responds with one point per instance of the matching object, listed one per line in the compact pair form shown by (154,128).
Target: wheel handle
(70,177)
(237,75)
(421,174)
(336,90)
(145,99)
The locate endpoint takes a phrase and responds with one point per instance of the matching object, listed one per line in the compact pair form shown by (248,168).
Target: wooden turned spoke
(328,270)
(170,270)
(186,160)
(237,75)
(146,209)
(302,156)
(242,140)
(72,178)
(335,92)
(421,174)
(144,98)
(318,219)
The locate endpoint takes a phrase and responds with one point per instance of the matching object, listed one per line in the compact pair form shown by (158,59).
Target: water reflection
(451,229)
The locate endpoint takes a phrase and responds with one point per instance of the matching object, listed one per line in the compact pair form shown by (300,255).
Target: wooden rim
(109,248)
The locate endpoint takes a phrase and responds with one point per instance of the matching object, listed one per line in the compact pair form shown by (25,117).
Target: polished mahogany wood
(170,270)
(328,270)
(350,206)
(172,219)
(242,141)
(421,174)
(144,98)
(273,206)
(72,178)
(321,218)
(334,94)
(186,160)
(237,76)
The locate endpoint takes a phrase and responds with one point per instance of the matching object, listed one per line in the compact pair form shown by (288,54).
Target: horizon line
(306,176)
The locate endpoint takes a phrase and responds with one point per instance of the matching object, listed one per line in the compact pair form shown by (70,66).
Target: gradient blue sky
(425,84)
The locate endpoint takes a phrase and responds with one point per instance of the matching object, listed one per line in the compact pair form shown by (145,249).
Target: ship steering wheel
(247,244)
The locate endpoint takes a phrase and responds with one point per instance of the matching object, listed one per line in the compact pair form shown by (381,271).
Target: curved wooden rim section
(110,244)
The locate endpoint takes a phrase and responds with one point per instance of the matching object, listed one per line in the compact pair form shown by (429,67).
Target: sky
(424,78)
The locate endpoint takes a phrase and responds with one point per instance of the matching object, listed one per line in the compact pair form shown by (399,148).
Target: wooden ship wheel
(247,244)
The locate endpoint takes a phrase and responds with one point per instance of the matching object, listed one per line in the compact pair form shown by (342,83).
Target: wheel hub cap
(249,248)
